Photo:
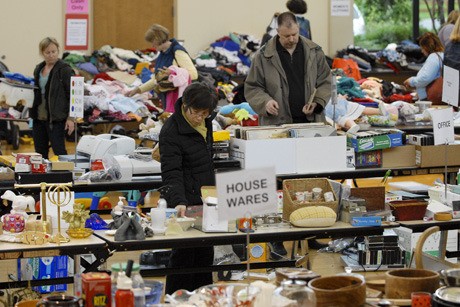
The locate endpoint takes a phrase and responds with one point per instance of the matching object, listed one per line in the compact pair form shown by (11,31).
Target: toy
(19,203)
(77,218)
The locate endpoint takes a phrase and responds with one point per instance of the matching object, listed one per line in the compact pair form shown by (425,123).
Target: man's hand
(69,126)
(133,92)
(180,210)
(309,108)
(272,107)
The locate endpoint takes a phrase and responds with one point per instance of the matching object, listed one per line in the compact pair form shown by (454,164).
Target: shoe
(277,250)
(314,244)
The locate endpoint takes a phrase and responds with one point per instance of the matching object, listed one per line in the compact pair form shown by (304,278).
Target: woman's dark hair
(297,6)
(200,96)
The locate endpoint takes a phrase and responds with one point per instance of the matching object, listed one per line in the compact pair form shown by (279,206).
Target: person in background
(50,110)
(446,29)
(289,81)
(171,53)
(432,68)
(452,52)
(186,165)
(300,8)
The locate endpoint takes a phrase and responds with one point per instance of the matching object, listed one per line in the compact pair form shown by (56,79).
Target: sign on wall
(340,7)
(76,31)
(77,7)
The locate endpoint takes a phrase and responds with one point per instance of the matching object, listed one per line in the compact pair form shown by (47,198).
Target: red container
(96,289)
(408,210)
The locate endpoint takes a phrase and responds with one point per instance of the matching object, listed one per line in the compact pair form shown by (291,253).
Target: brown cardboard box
(402,156)
(428,156)
(6,174)
(62,166)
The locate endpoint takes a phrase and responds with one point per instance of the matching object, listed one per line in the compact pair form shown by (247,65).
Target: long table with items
(197,238)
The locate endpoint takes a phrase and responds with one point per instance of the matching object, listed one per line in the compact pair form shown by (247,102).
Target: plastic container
(294,291)
(408,210)
(139,297)
(137,280)
(124,295)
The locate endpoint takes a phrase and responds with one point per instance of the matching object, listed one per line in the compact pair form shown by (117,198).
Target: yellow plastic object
(313,216)
(140,66)
(222,135)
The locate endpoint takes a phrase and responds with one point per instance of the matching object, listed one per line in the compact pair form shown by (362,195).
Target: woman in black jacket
(50,111)
(186,165)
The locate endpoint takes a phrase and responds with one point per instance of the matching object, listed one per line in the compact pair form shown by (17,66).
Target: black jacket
(186,159)
(57,91)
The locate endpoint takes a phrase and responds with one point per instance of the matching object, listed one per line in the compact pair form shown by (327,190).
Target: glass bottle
(294,293)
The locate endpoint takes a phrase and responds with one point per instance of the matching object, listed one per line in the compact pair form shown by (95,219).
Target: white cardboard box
(321,154)
(292,155)
(262,153)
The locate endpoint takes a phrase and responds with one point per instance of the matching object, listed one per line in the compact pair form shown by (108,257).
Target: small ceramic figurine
(77,218)
(19,203)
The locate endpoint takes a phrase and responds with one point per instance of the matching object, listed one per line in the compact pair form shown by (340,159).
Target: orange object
(96,289)
(421,299)
(349,67)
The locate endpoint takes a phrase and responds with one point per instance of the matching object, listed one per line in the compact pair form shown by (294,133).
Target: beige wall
(198,22)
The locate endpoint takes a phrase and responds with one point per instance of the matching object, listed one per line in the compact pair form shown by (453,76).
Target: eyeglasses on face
(200,114)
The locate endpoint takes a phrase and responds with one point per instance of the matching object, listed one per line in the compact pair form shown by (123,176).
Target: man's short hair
(286,19)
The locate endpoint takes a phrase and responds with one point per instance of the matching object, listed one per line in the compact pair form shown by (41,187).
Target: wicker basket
(291,186)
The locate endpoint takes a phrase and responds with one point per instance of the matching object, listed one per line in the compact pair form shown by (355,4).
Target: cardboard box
(401,156)
(6,174)
(321,154)
(62,166)
(292,155)
(44,268)
(28,158)
(96,289)
(368,159)
(427,156)
(262,153)
(378,139)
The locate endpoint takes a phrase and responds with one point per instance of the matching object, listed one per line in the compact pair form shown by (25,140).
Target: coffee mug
(61,300)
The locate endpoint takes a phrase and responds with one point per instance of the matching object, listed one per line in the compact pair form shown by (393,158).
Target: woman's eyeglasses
(200,114)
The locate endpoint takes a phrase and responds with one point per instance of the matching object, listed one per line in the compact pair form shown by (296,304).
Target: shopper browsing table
(289,82)
(171,53)
(187,165)
(50,110)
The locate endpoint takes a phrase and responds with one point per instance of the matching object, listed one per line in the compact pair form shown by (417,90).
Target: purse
(434,89)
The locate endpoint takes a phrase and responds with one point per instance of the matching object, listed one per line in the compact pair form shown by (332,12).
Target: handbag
(434,89)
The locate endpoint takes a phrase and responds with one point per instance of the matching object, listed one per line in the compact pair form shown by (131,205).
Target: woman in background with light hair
(171,53)
(50,110)
(447,28)
(452,52)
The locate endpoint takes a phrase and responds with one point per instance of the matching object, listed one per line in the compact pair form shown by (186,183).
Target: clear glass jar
(294,293)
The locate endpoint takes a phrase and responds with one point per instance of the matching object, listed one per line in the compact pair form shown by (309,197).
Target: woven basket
(291,186)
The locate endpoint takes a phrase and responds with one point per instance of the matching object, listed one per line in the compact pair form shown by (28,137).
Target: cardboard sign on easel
(443,126)
(250,191)
(450,86)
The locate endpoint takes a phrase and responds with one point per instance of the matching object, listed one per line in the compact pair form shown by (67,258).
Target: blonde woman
(447,28)
(50,111)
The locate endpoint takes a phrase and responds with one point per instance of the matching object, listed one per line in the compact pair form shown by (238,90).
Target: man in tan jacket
(289,82)
(284,74)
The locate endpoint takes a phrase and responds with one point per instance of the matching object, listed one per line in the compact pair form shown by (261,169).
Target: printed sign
(77,7)
(340,7)
(76,97)
(443,126)
(250,191)
(450,86)
(76,31)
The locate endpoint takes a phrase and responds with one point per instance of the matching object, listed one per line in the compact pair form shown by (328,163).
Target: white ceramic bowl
(185,222)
